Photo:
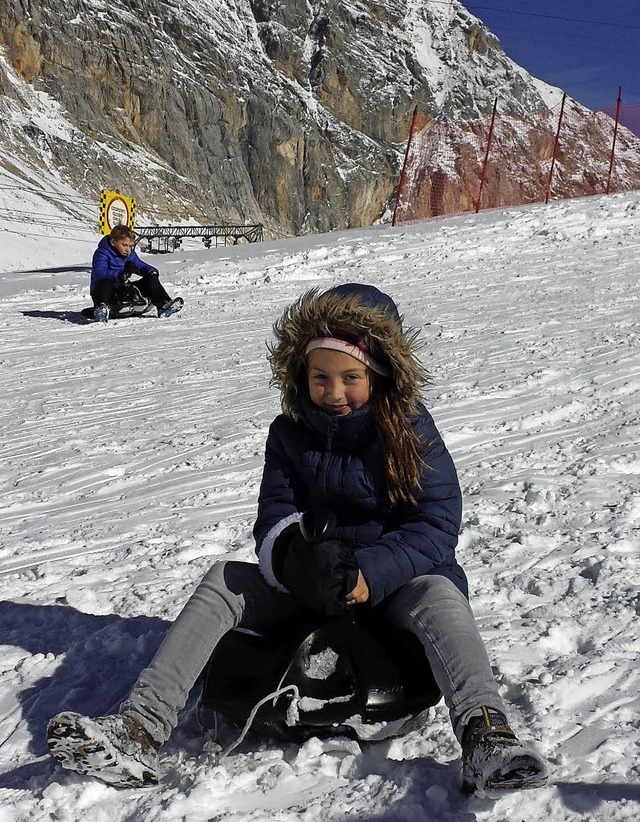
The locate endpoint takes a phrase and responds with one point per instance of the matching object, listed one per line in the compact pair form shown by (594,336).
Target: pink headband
(348,348)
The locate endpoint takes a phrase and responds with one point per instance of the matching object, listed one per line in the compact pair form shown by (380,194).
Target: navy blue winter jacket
(337,463)
(108,264)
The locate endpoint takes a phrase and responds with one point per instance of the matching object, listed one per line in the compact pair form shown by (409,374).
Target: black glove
(127,271)
(318,575)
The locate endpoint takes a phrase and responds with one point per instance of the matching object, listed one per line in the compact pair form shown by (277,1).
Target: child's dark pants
(149,285)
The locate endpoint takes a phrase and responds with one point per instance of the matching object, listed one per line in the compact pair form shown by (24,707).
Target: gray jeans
(234,594)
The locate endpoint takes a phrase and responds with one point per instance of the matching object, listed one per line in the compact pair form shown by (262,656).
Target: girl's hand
(360,593)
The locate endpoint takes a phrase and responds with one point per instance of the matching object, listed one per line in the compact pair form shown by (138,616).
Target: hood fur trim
(332,314)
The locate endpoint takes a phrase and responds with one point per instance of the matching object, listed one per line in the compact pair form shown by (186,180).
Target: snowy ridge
(132,457)
(439,35)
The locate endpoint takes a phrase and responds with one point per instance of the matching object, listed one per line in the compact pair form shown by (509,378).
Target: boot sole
(77,751)
(516,779)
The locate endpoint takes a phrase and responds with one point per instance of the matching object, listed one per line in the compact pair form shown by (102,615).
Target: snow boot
(101,313)
(171,307)
(115,749)
(493,760)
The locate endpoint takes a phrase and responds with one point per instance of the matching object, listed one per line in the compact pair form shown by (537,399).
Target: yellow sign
(115,209)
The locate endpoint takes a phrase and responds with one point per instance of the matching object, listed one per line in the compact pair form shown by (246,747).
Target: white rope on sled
(292,716)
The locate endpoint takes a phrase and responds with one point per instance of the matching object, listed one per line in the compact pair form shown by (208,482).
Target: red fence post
(483,175)
(403,173)
(555,150)
(615,135)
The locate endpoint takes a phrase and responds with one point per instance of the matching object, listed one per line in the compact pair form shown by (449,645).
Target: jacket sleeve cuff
(266,550)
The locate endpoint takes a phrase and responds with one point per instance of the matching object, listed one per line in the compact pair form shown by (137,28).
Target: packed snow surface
(131,458)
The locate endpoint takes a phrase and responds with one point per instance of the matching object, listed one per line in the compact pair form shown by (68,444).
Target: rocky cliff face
(288,112)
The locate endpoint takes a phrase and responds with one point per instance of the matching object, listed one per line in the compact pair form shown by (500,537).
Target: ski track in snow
(132,457)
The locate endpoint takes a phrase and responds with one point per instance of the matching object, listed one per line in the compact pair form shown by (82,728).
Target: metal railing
(169,237)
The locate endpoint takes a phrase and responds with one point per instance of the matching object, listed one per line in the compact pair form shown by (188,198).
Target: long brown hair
(403,449)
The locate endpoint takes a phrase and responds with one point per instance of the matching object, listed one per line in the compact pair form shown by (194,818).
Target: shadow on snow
(103,656)
(64,316)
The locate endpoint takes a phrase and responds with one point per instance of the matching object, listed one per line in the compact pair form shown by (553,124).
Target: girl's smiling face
(338,383)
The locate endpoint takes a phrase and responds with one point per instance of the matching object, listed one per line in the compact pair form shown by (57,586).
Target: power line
(51,195)
(22,233)
(69,200)
(470,7)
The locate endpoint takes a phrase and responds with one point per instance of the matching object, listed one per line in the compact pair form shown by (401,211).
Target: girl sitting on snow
(354,440)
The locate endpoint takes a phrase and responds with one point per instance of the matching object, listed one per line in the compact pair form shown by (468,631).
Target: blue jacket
(336,463)
(108,264)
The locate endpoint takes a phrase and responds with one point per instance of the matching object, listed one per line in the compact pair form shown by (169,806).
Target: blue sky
(589,60)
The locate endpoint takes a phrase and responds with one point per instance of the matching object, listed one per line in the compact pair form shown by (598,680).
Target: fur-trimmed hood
(352,312)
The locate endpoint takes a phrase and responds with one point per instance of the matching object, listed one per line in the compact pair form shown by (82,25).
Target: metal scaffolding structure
(169,237)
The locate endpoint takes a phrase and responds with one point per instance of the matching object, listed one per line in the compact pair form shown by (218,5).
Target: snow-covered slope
(131,456)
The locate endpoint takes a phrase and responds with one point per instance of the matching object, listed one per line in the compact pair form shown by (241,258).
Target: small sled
(362,679)
(128,302)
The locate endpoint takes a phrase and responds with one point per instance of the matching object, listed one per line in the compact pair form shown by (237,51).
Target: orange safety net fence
(506,160)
